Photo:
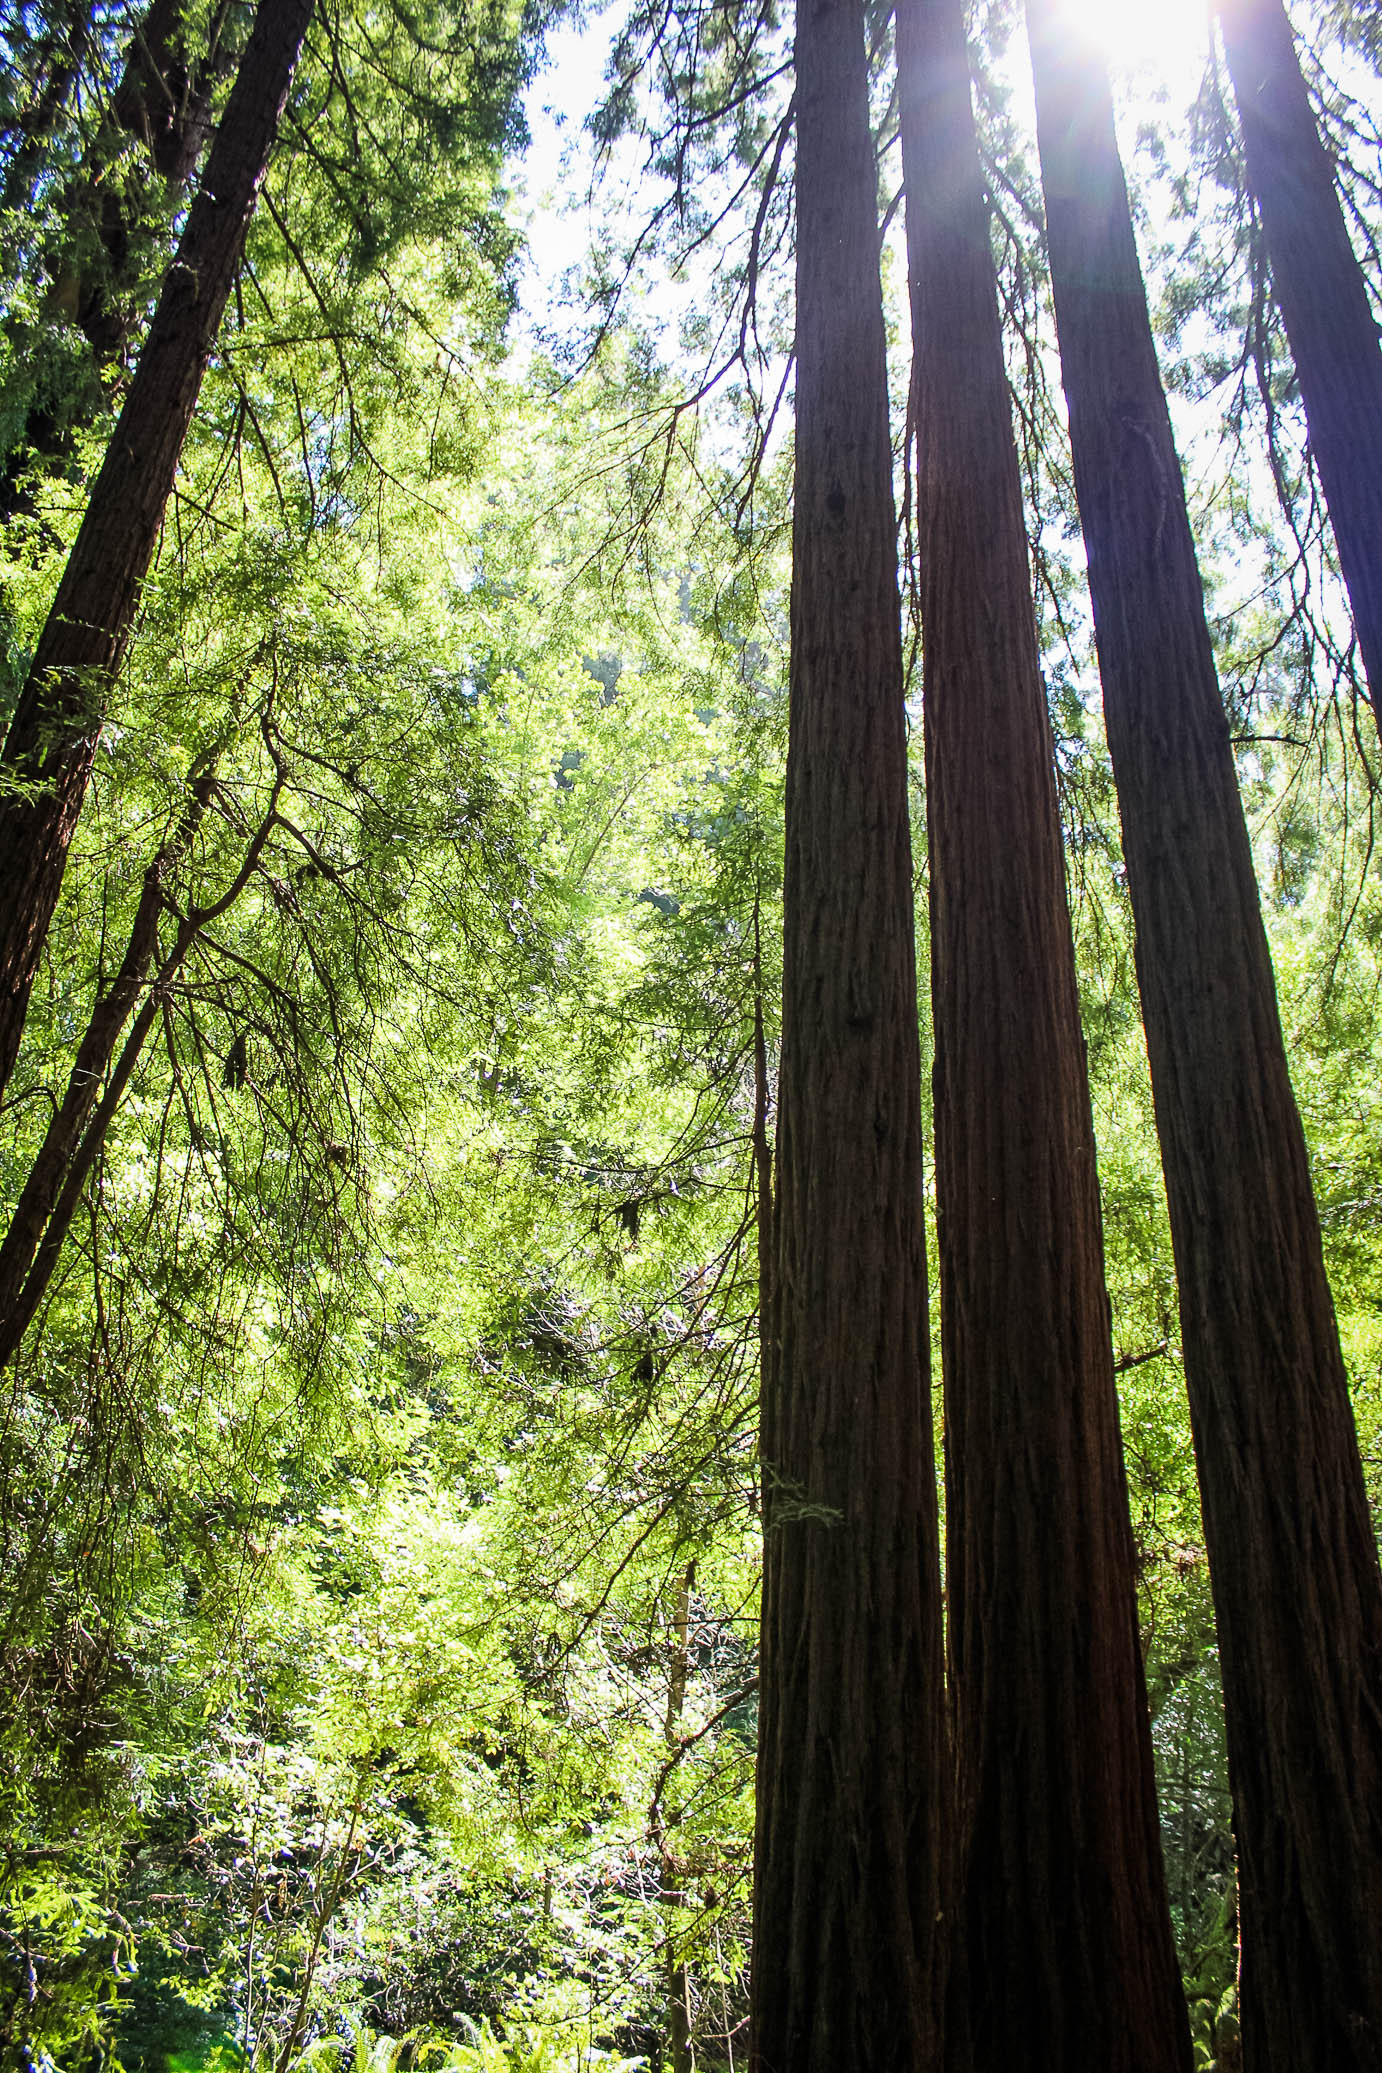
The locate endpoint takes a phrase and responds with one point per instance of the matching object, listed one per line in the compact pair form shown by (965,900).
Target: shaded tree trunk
(75,1136)
(1064,1956)
(847,1863)
(164,97)
(678,1975)
(1322,296)
(52,738)
(164,100)
(1291,1551)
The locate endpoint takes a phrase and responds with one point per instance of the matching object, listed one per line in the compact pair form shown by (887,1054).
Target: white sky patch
(553,176)
(1167,41)
(567,204)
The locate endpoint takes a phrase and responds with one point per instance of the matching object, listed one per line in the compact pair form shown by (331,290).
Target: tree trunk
(164,100)
(1291,1552)
(108,1017)
(52,739)
(1064,1956)
(847,1865)
(74,1138)
(678,1975)
(1322,296)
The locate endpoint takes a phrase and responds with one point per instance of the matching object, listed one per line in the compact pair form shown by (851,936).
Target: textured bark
(1292,1559)
(163,97)
(850,1729)
(1065,1959)
(1322,296)
(164,100)
(52,738)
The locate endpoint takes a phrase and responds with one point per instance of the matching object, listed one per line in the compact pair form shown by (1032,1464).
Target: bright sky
(556,163)
(1163,42)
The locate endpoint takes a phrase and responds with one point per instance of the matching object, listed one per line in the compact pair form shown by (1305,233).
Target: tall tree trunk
(1291,1552)
(164,100)
(164,96)
(109,1015)
(52,739)
(1065,1958)
(847,1865)
(1322,296)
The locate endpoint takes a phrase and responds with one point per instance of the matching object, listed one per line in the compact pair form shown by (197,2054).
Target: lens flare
(1168,37)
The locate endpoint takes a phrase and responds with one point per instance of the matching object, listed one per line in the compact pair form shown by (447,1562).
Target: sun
(1166,37)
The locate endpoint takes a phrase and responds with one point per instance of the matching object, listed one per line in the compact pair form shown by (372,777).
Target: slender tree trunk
(74,1138)
(678,1976)
(164,97)
(52,739)
(764,1210)
(1065,1959)
(847,1865)
(90,1066)
(1291,1552)
(1322,296)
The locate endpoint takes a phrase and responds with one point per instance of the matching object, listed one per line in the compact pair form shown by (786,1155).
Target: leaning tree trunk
(81,1121)
(1064,1953)
(850,1734)
(1291,1553)
(52,739)
(1322,296)
(163,100)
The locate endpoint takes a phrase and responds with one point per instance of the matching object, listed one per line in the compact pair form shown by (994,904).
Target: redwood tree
(1323,298)
(1291,1552)
(850,1737)
(1064,1951)
(115,209)
(52,739)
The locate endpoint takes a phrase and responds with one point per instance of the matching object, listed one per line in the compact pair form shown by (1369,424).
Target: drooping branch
(77,1133)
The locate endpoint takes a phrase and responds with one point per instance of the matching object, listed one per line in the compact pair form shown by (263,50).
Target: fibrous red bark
(850,1772)
(1064,1956)
(1292,1559)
